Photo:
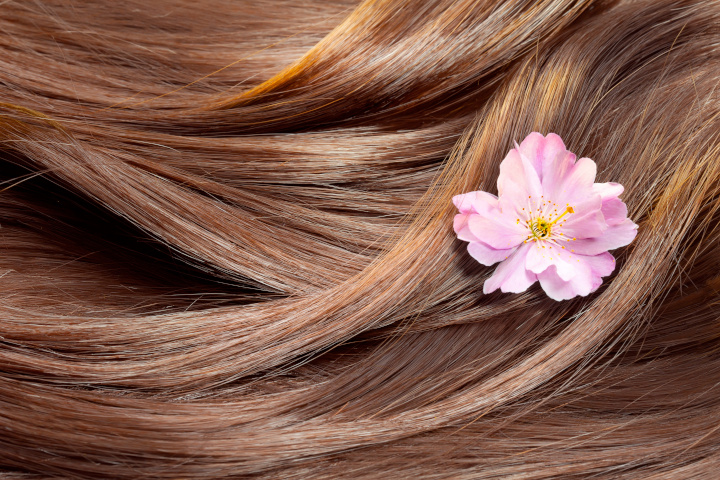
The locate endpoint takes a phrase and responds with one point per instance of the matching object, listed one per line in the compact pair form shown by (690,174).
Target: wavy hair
(226,245)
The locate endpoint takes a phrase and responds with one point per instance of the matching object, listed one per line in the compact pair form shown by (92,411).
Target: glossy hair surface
(226,245)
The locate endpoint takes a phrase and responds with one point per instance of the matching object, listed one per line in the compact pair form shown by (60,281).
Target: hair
(227,248)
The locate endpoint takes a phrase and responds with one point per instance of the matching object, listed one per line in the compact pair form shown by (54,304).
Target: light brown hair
(226,244)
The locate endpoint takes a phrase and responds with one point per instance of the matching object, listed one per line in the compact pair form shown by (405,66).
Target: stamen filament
(567,210)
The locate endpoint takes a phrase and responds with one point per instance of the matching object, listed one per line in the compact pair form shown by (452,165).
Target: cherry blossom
(550,222)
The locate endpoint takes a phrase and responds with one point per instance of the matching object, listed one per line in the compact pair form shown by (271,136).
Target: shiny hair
(226,244)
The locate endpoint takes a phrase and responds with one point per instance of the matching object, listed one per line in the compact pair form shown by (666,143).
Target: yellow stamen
(569,209)
(540,227)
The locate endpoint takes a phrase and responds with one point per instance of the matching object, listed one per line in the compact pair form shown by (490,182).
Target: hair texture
(226,245)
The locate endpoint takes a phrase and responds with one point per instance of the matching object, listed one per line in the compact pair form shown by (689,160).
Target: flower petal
(578,184)
(614,211)
(589,273)
(555,172)
(586,221)
(608,190)
(497,231)
(601,265)
(555,287)
(590,225)
(615,236)
(518,180)
(511,275)
(554,146)
(543,255)
(532,149)
(542,151)
(571,184)
(460,225)
(487,255)
(476,202)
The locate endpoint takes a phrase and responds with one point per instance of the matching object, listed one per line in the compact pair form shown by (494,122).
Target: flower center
(541,227)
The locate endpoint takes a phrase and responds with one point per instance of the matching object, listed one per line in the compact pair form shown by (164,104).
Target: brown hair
(227,248)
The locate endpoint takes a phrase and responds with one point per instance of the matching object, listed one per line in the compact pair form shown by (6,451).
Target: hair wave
(226,246)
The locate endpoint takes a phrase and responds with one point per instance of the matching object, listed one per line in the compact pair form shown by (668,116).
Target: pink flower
(550,222)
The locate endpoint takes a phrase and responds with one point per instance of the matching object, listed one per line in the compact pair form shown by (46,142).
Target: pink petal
(511,275)
(555,172)
(554,156)
(584,172)
(518,180)
(555,287)
(589,226)
(460,225)
(532,149)
(590,269)
(476,202)
(608,190)
(615,236)
(553,150)
(614,211)
(487,255)
(578,184)
(572,185)
(541,151)
(589,273)
(498,231)
(586,220)
(540,259)
(601,265)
